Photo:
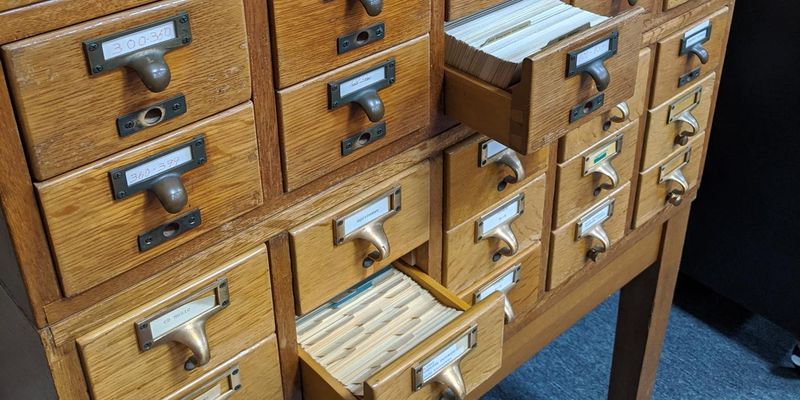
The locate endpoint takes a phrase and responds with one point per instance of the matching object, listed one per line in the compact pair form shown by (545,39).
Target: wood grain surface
(12,4)
(660,134)
(49,71)
(259,374)
(589,133)
(322,269)
(461,8)
(651,196)
(312,27)
(115,367)
(467,261)
(312,146)
(614,7)
(575,192)
(568,254)
(470,187)
(95,237)
(525,295)
(670,65)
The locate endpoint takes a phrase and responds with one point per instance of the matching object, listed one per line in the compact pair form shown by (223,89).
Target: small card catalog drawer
(168,340)
(483,243)
(583,241)
(357,110)
(671,125)
(689,55)
(459,355)
(598,170)
(480,172)
(161,194)
(126,78)
(359,237)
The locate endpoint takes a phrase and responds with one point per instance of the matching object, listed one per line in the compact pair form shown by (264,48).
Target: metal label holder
(449,373)
(675,114)
(232,377)
(372,230)
(501,230)
(365,94)
(666,170)
(503,285)
(689,38)
(493,152)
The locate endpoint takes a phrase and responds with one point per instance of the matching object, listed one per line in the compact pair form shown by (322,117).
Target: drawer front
(552,99)
(574,143)
(600,169)
(12,4)
(480,172)
(575,244)
(313,147)
(340,248)
(672,124)
(664,184)
(211,72)
(253,373)
(397,380)
(339,32)
(519,280)
(456,9)
(677,62)
(611,8)
(476,248)
(163,193)
(236,303)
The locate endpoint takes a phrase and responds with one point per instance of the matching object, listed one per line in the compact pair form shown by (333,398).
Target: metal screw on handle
(373,7)
(675,197)
(151,67)
(687,118)
(510,159)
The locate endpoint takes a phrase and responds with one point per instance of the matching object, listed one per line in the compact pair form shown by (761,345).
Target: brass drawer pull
(590,226)
(599,162)
(693,39)
(503,284)
(680,111)
(496,224)
(590,60)
(444,367)
(362,89)
(510,159)
(492,152)
(676,176)
(366,223)
(689,119)
(373,7)
(625,113)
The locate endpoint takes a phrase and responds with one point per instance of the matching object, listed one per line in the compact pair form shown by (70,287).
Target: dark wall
(744,232)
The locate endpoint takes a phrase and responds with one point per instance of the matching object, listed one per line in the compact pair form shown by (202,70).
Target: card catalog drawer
(665,183)
(311,37)
(253,373)
(611,8)
(583,240)
(578,140)
(480,172)
(175,339)
(519,280)
(78,101)
(459,356)
(461,8)
(688,55)
(344,246)
(483,243)
(599,170)
(671,125)
(110,216)
(552,98)
(336,118)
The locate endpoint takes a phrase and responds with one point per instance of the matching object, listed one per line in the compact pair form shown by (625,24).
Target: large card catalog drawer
(110,216)
(666,183)
(519,281)
(689,54)
(591,175)
(614,7)
(671,125)
(574,143)
(311,37)
(461,8)
(253,373)
(435,342)
(339,248)
(480,172)
(176,338)
(336,118)
(582,241)
(90,90)
(483,243)
(552,97)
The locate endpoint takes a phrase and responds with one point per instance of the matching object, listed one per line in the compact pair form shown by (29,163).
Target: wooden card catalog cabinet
(126,78)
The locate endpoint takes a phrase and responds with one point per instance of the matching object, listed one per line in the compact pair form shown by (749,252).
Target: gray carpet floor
(714,349)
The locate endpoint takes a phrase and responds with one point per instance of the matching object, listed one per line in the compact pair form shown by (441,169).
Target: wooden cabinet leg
(644,308)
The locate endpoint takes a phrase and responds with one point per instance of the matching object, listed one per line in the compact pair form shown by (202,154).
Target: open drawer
(556,92)
(450,361)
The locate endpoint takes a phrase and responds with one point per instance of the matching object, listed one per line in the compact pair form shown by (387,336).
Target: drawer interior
(364,342)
